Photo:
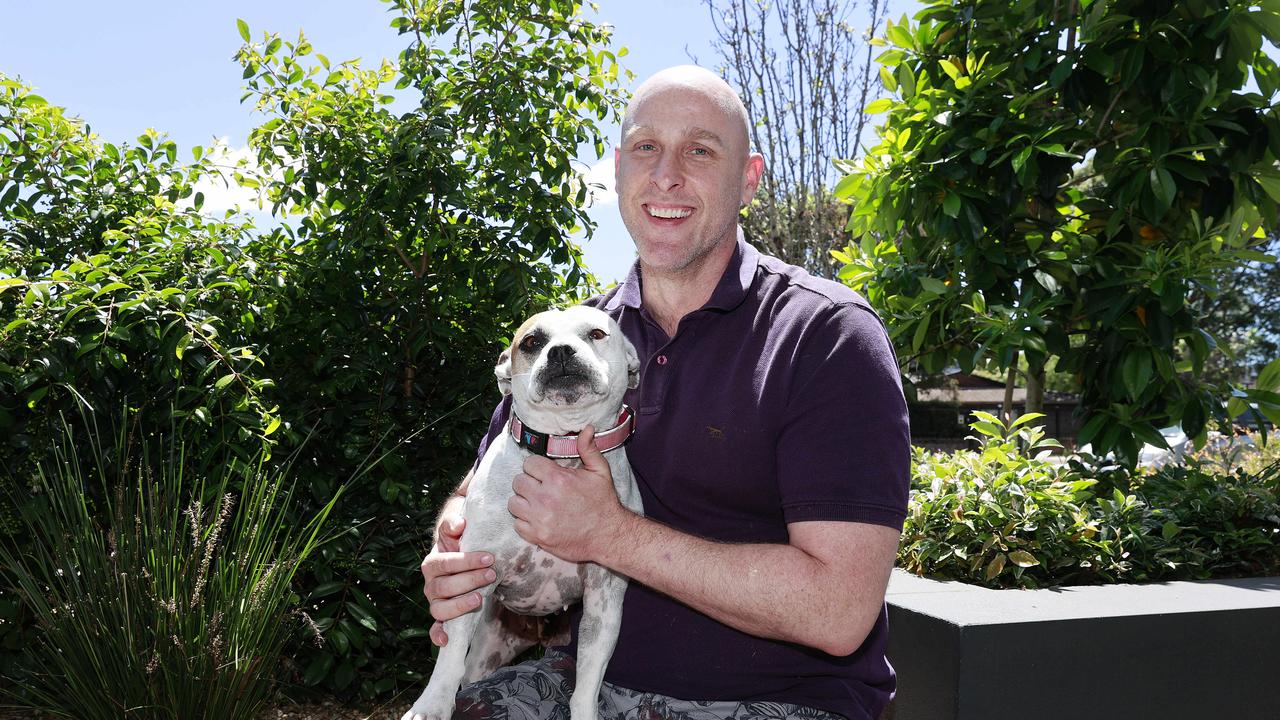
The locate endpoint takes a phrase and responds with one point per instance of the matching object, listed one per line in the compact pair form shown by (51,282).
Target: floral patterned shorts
(540,690)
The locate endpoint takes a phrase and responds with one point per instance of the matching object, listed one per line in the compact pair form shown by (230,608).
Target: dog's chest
(532,581)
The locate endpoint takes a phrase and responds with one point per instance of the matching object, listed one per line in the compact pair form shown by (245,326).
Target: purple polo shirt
(778,401)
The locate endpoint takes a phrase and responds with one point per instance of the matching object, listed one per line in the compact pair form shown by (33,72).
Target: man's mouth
(668,212)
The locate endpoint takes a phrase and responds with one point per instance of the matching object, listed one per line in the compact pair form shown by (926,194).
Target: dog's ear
(502,371)
(633,364)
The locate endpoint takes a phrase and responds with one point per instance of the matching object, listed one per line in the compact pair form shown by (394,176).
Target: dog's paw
(416,713)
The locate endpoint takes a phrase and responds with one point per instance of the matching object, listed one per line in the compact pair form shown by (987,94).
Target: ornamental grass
(157,591)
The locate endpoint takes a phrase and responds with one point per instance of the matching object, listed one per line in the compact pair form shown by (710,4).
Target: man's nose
(559,353)
(667,172)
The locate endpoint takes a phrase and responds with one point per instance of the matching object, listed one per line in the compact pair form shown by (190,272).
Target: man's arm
(449,577)
(823,589)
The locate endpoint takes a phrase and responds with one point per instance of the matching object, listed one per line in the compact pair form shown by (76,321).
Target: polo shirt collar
(729,292)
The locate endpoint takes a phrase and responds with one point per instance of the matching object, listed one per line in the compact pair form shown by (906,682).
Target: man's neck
(669,296)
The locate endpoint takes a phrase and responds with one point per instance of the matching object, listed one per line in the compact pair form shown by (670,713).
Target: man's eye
(646,147)
(598,334)
(700,151)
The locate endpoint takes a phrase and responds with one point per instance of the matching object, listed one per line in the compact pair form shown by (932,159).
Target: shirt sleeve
(844,449)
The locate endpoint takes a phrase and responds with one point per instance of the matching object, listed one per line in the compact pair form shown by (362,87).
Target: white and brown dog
(565,369)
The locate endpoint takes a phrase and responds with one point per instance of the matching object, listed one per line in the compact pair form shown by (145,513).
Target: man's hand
(451,578)
(570,512)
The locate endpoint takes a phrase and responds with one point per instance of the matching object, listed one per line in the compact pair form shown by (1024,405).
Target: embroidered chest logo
(715,433)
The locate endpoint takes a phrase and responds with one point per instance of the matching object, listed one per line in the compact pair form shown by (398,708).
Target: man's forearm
(777,591)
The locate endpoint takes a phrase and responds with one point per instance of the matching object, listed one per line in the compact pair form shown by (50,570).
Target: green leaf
(343,676)
(1268,22)
(362,616)
(1169,530)
(1061,72)
(951,205)
(1254,256)
(1270,184)
(1022,558)
(7,283)
(1092,428)
(933,285)
(989,429)
(327,588)
(1020,158)
(1026,418)
(922,331)
(995,567)
(1047,281)
(243,27)
(224,381)
(846,187)
(875,107)
(979,302)
(1136,371)
(109,288)
(1163,187)
(1269,378)
(318,669)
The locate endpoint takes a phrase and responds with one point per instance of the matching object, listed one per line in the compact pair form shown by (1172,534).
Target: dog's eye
(530,342)
(597,334)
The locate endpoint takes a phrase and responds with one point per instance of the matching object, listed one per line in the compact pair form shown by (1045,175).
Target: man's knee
(541,688)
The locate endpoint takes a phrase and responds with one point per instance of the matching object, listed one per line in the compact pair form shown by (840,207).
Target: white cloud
(221,191)
(599,179)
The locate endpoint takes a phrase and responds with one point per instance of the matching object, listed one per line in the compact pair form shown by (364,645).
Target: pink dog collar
(566,446)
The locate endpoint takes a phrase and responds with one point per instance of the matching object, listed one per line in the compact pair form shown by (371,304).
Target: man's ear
(502,371)
(633,364)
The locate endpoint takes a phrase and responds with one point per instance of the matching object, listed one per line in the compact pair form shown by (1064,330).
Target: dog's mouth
(565,385)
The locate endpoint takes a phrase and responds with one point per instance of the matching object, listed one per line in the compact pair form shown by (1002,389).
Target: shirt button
(662,359)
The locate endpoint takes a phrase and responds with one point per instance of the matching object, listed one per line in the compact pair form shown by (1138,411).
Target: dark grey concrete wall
(1170,651)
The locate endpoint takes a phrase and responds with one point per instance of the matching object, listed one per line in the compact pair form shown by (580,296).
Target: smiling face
(683,169)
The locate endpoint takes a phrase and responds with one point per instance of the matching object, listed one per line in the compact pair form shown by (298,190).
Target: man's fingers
(438,635)
(443,610)
(453,525)
(439,564)
(592,458)
(447,587)
(525,530)
(518,507)
(449,533)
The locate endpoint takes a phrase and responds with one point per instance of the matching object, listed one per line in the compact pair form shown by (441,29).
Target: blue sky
(130,65)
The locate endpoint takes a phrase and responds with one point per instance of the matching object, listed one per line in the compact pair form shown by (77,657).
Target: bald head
(690,80)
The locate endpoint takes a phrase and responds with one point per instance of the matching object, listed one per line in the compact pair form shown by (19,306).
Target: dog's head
(573,364)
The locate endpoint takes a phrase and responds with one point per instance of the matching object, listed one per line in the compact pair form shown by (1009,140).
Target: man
(771,450)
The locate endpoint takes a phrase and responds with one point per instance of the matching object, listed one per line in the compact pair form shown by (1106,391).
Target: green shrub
(409,246)
(1009,514)
(158,592)
(423,238)
(1216,524)
(114,293)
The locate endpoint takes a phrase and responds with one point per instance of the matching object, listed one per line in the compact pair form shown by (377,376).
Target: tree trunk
(1035,390)
(1006,411)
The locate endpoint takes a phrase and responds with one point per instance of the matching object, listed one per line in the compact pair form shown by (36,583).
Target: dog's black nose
(559,353)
